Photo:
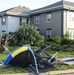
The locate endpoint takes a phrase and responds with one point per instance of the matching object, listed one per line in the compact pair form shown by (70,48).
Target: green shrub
(56,40)
(67,41)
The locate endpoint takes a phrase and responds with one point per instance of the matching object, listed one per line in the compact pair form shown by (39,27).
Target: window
(36,19)
(38,30)
(48,33)
(3,34)
(48,18)
(28,20)
(3,20)
(20,21)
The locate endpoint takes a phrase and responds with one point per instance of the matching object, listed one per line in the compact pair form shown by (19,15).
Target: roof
(56,6)
(23,11)
(16,11)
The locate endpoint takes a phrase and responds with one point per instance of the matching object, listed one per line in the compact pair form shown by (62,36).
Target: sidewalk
(62,72)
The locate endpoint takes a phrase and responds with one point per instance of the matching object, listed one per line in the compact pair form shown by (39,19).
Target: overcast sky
(32,4)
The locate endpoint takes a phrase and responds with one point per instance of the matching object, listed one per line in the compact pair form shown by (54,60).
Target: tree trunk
(6,42)
(0,43)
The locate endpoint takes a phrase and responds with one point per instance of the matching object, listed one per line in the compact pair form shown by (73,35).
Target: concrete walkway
(62,72)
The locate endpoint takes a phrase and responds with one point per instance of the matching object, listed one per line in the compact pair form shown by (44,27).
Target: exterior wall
(69,23)
(70,19)
(13,23)
(0,26)
(64,22)
(54,25)
(3,27)
(24,20)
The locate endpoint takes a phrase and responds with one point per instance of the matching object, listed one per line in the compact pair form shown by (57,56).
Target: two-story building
(11,19)
(53,20)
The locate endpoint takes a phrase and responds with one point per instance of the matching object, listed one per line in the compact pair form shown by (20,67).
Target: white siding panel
(24,20)
(13,23)
(65,22)
(70,21)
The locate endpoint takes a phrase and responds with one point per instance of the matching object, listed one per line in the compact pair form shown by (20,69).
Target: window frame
(38,30)
(49,16)
(20,20)
(48,33)
(37,19)
(3,34)
(3,20)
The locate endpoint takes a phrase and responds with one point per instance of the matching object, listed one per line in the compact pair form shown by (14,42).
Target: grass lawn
(60,54)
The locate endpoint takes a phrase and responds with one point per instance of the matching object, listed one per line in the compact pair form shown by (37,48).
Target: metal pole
(6,48)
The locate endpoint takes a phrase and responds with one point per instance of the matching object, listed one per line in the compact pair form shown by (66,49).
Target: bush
(59,44)
(67,41)
(56,40)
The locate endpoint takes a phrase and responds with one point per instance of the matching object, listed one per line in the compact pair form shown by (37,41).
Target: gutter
(49,9)
(45,10)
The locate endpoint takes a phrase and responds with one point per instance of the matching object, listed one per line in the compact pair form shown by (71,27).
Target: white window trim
(49,16)
(36,19)
(3,20)
(48,33)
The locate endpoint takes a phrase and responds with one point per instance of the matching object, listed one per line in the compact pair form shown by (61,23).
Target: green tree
(27,34)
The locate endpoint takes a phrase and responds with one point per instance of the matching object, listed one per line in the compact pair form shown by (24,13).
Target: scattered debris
(37,61)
